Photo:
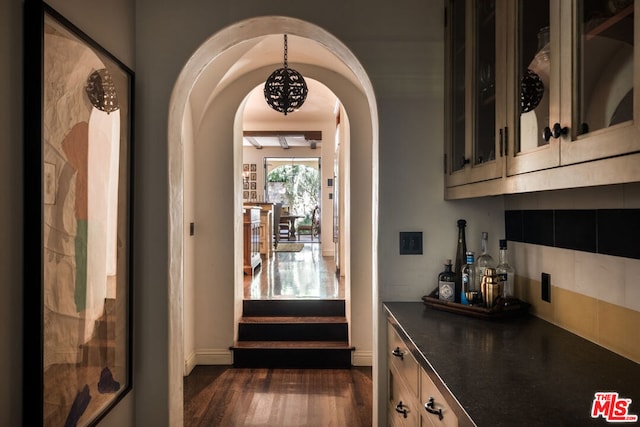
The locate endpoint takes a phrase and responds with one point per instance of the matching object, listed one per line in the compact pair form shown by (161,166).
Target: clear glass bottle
(461,254)
(485,260)
(506,273)
(447,283)
(469,284)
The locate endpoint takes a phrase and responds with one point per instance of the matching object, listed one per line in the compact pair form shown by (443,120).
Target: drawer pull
(398,353)
(430,409)
(402,409)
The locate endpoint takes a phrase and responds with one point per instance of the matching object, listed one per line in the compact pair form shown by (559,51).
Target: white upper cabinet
(536,90)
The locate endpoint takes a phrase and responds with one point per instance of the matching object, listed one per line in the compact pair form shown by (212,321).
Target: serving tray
(504,307)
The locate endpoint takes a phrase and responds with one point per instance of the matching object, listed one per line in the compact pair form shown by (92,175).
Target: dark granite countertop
(517,372)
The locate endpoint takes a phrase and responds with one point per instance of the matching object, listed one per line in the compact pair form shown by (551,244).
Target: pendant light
(285,90)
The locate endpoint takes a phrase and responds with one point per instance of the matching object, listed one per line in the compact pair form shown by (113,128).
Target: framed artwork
(49,183)
(245,195)
(253,185)
(245,167)
(254,176)
(254,195)
(245,185)
(78,208)
(254,167)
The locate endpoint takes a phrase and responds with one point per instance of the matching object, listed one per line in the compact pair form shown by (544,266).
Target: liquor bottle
(468,280)
(461,254)
(485,260)
(506,273)
(447,283)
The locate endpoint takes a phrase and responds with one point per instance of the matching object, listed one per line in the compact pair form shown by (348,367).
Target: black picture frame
(78,228)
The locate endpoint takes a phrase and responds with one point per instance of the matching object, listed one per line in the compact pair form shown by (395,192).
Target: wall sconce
(101,91)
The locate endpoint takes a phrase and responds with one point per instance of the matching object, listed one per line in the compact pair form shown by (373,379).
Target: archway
(191,116)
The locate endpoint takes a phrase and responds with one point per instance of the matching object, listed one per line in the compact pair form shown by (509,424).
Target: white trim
(362,358)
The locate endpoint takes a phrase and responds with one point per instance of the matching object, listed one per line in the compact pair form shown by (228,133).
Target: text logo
(612,408)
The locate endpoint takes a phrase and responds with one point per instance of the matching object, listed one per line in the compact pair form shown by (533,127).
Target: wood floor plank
(224,396)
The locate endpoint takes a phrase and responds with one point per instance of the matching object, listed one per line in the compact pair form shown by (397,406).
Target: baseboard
(362,358)
(208,357)
(189,364)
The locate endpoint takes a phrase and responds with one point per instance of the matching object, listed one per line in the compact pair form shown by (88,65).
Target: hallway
(296,275)
(227,396)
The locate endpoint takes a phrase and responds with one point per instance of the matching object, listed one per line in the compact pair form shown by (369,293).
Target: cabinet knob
(464,161)
(398,353)
(559,130)
(556,132)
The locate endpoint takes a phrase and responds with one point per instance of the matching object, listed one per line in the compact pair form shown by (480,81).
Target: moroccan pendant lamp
(285,90)
(102,91)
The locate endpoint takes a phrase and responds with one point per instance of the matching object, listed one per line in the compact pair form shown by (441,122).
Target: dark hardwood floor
(224,396)
(227,396)
(292,275)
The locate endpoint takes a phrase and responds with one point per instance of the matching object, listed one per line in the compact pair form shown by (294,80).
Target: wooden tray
(504,308)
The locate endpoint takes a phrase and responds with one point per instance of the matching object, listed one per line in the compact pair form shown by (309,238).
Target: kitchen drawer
(403,406)
(399,356)
(429,390)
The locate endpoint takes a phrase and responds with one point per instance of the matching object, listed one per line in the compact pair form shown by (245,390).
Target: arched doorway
(196,122)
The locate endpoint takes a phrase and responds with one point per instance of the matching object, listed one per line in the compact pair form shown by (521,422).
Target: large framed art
(78,224)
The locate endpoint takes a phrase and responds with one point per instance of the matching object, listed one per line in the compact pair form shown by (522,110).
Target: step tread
(293,319)
(329,345)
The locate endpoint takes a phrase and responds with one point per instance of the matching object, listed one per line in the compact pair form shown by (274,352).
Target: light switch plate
(411,243)
(546,287)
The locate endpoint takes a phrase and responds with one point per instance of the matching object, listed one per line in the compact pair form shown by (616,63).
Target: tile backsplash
(593,257)
(603,231)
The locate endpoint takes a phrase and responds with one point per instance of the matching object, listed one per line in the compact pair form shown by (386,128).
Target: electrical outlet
(411,243)
(546,287)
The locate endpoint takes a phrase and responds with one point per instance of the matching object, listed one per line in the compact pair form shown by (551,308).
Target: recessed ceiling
(319,106)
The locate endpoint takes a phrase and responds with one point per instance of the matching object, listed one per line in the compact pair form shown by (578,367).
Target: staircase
(293,334)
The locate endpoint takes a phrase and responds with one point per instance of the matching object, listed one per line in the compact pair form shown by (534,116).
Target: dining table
(290,220)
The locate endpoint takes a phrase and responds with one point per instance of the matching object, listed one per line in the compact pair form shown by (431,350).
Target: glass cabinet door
(457,105)
(476,58)
(484,135)
(602,121)
(535,96)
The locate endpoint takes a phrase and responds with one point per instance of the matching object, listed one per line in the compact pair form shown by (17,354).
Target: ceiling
(320,104)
